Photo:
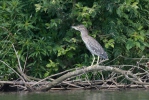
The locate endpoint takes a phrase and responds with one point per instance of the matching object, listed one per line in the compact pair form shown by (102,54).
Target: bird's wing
(95,48)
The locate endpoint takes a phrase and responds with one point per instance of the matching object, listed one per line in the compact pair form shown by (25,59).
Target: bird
(92,45)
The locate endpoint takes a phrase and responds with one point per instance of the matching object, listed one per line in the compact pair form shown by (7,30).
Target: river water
(78,95)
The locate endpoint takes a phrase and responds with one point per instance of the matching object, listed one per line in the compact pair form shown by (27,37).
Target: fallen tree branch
(90,69)
(78,78)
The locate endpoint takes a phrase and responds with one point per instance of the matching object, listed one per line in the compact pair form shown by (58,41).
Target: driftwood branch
(136,75)
(127,75)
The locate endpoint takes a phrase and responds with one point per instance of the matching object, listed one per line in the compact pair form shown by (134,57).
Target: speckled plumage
(92,45)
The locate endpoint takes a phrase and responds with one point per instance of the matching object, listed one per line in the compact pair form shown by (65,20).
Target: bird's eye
(80,27)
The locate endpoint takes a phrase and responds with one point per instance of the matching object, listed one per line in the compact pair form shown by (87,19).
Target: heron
(92,45)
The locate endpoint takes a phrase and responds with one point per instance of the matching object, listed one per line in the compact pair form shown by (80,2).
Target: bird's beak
(74,27)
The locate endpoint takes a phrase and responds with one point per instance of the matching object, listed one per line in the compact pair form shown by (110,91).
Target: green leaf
(129,44)
(134,5)
(119,11)
(128,2)
(137,44)
(109,43)
(38,7)
(142,47)
(61,51)
(46,74)
(146,44)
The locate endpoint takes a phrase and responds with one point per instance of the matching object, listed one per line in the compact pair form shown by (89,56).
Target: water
(79,95)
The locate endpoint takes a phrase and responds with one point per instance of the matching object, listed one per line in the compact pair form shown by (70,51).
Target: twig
(18,58)
(13,70)
(25,62)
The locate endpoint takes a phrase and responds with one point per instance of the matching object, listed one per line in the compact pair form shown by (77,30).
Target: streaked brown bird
(92,45)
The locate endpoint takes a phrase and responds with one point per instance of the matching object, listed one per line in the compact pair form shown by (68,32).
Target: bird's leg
(93,60)
(103,60)
(98,60)
(94,73)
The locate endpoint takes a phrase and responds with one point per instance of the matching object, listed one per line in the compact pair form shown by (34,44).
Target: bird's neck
(84,33)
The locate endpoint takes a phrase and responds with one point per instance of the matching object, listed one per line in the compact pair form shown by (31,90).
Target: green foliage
(41,33)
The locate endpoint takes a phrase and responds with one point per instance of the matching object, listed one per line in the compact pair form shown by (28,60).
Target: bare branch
(18,58)
(13,70)
(93,68)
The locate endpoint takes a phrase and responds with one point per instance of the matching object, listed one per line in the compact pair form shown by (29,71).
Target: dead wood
(128,75)
(79,78)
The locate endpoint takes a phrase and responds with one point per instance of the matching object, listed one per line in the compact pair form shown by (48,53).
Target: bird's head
(79,28)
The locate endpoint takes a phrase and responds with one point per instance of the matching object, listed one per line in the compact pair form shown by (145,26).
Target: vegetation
(36,35)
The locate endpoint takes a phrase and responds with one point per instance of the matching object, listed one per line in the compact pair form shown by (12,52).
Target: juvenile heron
(92,45)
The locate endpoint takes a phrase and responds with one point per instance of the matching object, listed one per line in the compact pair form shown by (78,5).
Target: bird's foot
(102,61)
